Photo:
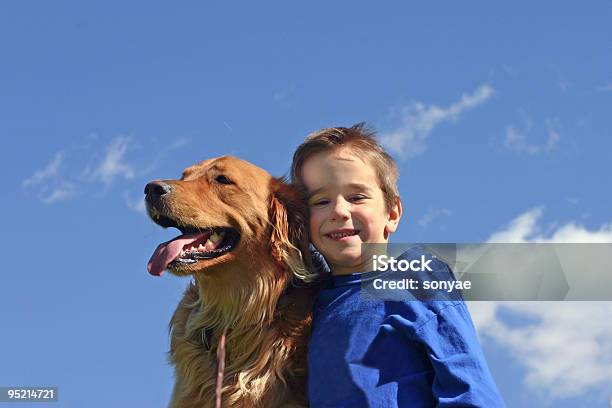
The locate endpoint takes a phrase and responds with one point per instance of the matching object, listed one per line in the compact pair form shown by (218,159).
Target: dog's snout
(156,189)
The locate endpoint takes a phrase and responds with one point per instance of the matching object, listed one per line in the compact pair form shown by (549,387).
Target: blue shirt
(381,353)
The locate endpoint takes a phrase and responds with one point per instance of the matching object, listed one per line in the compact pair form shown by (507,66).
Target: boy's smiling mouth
(342,234)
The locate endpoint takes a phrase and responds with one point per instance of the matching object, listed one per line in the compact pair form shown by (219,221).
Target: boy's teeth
(337,235)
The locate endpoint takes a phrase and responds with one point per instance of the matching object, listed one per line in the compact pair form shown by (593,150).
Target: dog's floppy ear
(289,218)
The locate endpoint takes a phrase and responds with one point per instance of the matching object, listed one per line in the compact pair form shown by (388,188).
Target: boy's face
(347,208)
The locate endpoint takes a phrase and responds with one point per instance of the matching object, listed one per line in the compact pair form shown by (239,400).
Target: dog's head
(228,210)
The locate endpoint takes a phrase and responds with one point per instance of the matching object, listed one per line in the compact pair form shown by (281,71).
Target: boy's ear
(393,218)
(289,218)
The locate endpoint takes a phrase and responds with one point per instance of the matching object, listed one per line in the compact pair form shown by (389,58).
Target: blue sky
(498,115)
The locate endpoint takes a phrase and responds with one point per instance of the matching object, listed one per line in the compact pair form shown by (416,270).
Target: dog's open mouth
(192,246)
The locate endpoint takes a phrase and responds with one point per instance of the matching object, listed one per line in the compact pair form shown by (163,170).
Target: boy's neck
(366,266)
(339,270)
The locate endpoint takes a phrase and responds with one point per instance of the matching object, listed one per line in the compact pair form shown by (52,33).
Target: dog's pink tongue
(168,251)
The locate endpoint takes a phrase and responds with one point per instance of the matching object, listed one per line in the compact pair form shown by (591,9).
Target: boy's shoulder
(415,274)
(417,252)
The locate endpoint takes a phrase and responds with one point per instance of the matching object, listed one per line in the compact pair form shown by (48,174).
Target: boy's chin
(348,259)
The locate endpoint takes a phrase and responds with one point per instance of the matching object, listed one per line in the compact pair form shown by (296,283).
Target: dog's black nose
(156,189)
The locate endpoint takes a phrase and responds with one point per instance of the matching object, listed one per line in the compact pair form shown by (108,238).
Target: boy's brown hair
(362,141)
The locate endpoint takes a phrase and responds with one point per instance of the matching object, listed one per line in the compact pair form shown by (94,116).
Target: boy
(377,353)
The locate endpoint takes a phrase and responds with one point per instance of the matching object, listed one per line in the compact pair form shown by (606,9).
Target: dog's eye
(221,179)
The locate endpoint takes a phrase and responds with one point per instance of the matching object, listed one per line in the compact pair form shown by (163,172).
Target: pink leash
(220,368)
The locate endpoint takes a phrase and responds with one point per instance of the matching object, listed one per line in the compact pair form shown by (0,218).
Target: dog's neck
(228,299)
(250,317)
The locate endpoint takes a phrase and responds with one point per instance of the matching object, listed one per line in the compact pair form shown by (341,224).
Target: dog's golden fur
(247,291)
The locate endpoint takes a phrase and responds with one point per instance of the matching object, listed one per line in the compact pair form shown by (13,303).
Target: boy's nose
(341,210)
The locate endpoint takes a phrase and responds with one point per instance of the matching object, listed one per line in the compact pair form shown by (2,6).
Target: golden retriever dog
(239,335)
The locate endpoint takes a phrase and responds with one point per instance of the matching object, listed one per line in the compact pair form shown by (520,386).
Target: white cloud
(48,184)
(553,139)
(525,228)
(62,191)
(516,139)
(566,347)
(519,229)
(58,181)
(113,164)
(138,206)
(49,172)
(418,120)
(179,143)
(432,214)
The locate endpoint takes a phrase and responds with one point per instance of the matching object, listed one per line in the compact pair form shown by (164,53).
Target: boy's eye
(357,198)
(320,202)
